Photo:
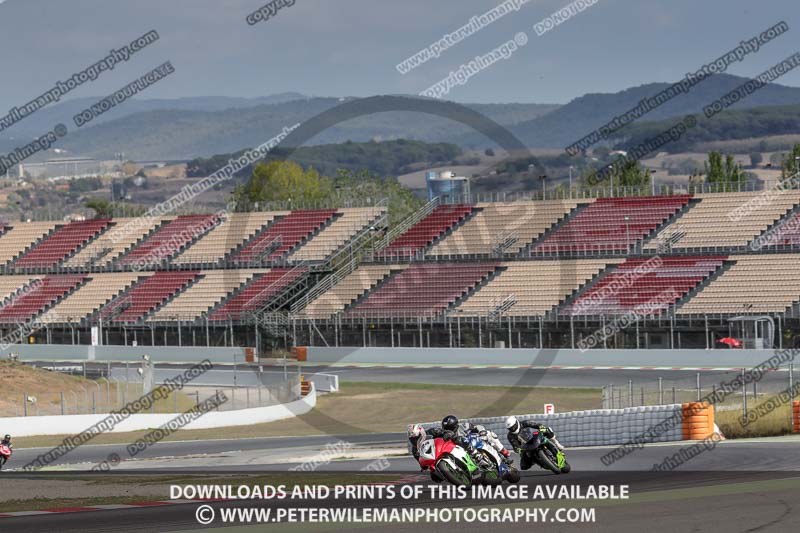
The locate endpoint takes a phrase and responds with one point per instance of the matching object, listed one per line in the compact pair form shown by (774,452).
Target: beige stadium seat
(347,290)
(114,242)
(536,287)
(212,288)
(236,229)
(522,222)
(22,236)
(755,284)
(11,284)
(101,289)
(722,220)
(337,233)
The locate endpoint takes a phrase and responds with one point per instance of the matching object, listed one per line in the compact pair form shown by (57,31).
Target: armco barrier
(796,416)
(605,427)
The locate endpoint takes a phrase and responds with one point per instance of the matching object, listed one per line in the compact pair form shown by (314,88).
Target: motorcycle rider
(489,437)
(514,426)
(7,441)
(450,430)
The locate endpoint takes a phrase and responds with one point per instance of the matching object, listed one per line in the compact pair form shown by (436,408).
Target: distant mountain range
(187,128)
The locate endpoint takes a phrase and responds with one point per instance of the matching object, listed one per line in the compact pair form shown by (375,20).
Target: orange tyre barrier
(305,387)
(698,420)
(796,416)
(300,352)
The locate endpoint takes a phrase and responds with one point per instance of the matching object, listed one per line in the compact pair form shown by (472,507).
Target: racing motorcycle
(5,454)
(450,460)
(494,468)
(543,452)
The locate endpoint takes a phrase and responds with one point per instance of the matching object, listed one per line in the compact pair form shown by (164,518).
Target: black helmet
(7,438)
(450,423)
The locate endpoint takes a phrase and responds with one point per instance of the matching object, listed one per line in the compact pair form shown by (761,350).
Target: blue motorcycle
(494,468)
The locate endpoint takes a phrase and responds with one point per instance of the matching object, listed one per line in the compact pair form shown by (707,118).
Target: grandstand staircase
(581,290)
(500,307)
(676,234)
(28,288)
(450,230)
(364,295)
(233,252)
(9,267)
(726,265)
(135,245)
(342,262)
(171,297)
(472,290)
(406,224)
(785,218)
(95,238)
(527,250)
(503,242)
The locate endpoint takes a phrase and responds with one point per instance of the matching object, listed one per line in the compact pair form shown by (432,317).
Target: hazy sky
(351,47)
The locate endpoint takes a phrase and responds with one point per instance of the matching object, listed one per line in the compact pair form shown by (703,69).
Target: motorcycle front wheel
(454,475)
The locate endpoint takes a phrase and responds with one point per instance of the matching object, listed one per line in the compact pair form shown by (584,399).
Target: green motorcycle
(543,452)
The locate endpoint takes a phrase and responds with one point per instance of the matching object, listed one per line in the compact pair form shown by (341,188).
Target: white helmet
(512,424)
(415,430)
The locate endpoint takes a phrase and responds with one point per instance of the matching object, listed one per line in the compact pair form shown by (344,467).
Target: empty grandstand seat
(60,244)
(508,227)
(236,229)
(335,235)
(147,295)
(531,288)
(727,220)
(602,226)
(282,237)
(648,284)
(168,240)
(768,283)
(122,236)
(213,287)
(257,293)
(424,232)
(31,299)
(422,289)
(99,290)
(20,237)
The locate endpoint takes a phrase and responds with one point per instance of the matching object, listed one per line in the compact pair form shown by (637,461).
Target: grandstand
(683,268)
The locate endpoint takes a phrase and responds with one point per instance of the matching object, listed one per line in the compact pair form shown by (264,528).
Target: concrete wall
(547,357)
(28,426)
(163,354)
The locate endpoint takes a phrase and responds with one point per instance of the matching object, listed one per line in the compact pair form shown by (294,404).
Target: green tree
(102,208)
(283,181)
(790,162)
(726,172)
(359,186)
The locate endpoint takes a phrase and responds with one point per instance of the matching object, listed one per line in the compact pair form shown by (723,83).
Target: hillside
(388,158)
(186,134)
(582,115)
(728,125)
